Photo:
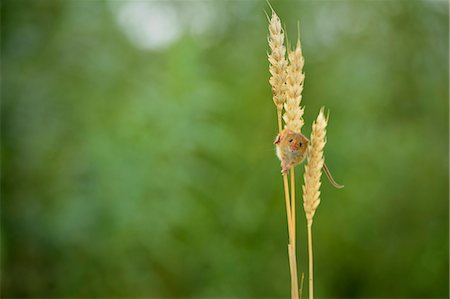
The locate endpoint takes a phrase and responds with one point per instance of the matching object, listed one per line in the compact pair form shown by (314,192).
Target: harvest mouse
(292,149)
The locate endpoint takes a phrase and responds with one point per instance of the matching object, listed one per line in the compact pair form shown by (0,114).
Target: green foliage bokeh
(140,170)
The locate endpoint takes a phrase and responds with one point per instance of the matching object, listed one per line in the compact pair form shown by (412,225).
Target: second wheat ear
(292,149)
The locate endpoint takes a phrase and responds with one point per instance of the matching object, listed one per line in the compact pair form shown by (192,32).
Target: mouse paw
(284,168)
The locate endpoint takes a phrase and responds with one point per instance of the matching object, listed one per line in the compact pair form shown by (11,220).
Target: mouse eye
(300,144)
(291,140)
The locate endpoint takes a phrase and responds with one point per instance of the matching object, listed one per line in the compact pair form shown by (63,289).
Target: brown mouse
(292,149)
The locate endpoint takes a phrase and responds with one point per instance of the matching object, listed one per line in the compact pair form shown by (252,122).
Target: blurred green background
(137,155)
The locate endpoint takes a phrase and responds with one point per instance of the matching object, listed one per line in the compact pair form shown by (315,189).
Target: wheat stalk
(311,188)
(278,70)
(293,116)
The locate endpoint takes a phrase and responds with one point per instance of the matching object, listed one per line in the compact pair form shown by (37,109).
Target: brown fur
(292,149)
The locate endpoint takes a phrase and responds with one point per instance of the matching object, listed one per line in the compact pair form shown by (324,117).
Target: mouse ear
(277,140)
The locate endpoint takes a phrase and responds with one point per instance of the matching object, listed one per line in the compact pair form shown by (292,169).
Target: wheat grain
(313,169)
(277,61)
(293,116)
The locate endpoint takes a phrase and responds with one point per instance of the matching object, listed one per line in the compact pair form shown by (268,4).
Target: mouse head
(293,141)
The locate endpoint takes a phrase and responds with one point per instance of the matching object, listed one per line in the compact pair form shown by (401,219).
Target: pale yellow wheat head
(277,60)
(293,116)
(313,169)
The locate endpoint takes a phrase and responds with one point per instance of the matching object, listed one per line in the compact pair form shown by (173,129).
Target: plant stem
(291,229)
(301,285)
(310,255)
(294,241)
(293,207)
(291,249)
(288,206)
(293,267)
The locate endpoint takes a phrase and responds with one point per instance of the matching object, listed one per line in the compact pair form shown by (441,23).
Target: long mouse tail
(332,181)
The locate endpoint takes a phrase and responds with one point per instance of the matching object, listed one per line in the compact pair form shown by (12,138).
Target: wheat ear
(311,188)
(293,116)
(278,71)
(277,64)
